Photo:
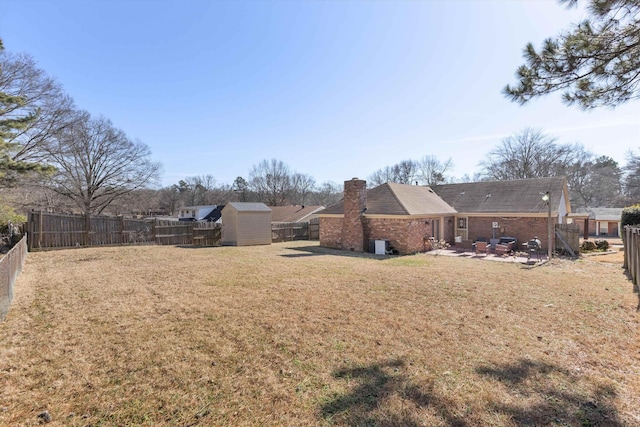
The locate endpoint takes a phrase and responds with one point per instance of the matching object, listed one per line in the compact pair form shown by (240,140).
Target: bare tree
(381,176)
(405,172)
(35,108)
(326,194)
(98,164)
(476,177)
(527,154)
(197,190)
(302,186)
(433,172)
(271,181)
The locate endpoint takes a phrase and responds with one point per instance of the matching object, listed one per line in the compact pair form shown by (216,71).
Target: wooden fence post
(30,230)
(40,229)
(628,239)
(122,230)
(634,262)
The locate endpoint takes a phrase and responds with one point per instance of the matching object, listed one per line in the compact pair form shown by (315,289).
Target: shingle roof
(215,214)
(603,214)
(516,196)
(399,199)
(249,206)
(293,213)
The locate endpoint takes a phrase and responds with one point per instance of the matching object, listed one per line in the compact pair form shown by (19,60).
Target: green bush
(8,215)
(587,246)
(630,215)
(602,245)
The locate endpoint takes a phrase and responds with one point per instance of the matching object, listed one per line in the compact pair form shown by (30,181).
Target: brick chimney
(355,203)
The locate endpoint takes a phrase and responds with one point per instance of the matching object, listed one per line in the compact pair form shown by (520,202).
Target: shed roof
(515,196)
(399,199)
(294,213)
(249,206)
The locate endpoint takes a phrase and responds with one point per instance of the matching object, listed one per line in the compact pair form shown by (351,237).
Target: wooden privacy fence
(167,232)
(632,252)
(10,266)
(57,231)
(567,239)
(288,231)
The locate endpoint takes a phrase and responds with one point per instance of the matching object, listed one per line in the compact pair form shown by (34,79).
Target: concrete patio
(518,257)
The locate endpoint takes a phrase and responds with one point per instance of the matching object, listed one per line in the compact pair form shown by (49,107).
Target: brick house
(600,222)
(404,215)
(494,209)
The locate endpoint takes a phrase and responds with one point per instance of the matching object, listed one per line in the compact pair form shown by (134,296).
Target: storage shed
(246,224)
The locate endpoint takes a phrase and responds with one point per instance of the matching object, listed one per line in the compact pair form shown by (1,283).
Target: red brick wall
(405,235)
(523,229)
(331,232)
(448,229)
(355,201)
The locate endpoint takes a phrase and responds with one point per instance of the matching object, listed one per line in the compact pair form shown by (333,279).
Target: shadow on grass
(320,250)
(535,394)
(545,394)
(197,247)
(376,385)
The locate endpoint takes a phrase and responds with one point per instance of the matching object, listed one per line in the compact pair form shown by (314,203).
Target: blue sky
(335,89)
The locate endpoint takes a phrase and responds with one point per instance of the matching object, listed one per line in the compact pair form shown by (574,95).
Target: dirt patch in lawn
(292,334)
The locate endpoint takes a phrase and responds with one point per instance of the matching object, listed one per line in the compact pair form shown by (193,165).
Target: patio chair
(464,246)
(483,247)
(504,248)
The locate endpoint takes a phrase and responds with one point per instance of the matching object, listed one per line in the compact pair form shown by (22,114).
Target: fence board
(632,253)
(289,231)
(571,235)
(52,231)
(10,266)
(57,231)
(207,234)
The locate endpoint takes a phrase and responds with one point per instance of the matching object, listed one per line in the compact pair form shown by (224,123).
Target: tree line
(54,156)
(594,181)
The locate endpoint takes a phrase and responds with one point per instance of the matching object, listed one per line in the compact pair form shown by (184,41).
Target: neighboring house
(406,215)
(215,215)
(195,213)
(601,222)
(294,213)
(403,215)
(245,224)
(494,209)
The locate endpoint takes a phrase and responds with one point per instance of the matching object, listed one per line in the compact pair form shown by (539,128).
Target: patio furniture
(508,239)
(533,247)
(504,248)
(482,247)
(464,246)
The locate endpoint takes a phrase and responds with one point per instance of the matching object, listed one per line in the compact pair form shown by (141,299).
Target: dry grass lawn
(292,334)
